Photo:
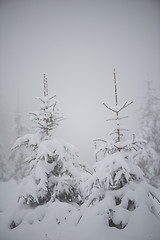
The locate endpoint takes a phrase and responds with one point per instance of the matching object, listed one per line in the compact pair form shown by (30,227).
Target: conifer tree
(55,170)
(116,182)
(149,157)
(47,119)
(117,141)
(3,159)
(18,167)
(3,164)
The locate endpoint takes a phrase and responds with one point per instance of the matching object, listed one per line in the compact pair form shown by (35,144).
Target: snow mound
(58,220)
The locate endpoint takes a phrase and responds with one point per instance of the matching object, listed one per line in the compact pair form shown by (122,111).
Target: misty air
(80,120)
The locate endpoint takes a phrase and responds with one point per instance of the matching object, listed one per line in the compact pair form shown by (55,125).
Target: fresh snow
(28,140)
(62,198)
(58,221)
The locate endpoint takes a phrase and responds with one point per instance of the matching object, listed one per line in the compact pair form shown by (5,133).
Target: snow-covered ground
(58,221)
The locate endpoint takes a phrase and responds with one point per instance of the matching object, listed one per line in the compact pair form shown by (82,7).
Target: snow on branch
(56,147)
(106,146)
(86,167)
(111,146)
(128,145)
(29,140)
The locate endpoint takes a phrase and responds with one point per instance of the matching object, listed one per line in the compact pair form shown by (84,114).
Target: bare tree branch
(52,97)
(109,107)
(125,105)
(99,140)
(115,119)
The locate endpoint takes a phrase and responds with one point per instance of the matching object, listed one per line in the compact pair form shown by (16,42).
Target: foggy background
(77,44)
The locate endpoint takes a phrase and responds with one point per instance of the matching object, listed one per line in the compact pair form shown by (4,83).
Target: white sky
(77,44)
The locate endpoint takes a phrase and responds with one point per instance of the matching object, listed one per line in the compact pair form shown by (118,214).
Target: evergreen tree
(149,157)
(3,164)
(117,186)
(18,167)
(55,171)
(3,159)
(117,141)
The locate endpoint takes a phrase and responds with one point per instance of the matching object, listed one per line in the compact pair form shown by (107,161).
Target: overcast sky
(77,44)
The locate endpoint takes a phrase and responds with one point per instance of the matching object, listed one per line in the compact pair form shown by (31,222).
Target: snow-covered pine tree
(3,159)
(18,167)
(149,157)
(117,141)
(55,170)
(3,164)
(117,186)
